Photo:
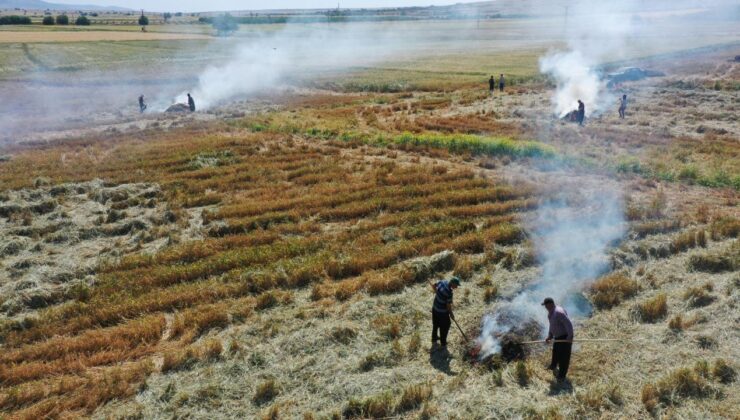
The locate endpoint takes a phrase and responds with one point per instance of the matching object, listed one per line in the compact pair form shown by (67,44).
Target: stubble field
(277,268)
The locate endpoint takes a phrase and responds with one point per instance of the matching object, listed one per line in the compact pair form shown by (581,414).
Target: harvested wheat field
(270,255)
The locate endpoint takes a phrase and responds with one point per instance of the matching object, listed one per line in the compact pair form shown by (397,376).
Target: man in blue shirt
(442,309)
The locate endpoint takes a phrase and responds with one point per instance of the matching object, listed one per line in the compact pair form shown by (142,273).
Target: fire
(502,333)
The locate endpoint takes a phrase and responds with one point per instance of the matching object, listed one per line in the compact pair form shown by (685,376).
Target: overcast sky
(213,5)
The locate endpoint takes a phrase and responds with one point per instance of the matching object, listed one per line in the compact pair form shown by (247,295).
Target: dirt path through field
(13,37)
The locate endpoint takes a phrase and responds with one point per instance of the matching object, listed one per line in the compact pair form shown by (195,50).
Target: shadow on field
(560,388)
(439,358)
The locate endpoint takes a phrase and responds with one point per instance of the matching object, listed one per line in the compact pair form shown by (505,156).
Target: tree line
(48,20)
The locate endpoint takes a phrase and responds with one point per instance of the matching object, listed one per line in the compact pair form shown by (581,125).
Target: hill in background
(42,5)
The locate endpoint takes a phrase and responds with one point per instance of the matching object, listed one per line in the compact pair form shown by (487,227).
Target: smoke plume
(576,79)
(288,56)
(573,234)
(595,32)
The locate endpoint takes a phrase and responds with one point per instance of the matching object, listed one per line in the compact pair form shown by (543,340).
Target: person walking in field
(142,104)
(442,309)
(492,84)
(581,112)
(560,329)
(191,103)
(622,106)
(501,83)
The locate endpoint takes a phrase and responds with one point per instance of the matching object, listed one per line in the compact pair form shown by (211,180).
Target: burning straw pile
(502,335)
(573,234)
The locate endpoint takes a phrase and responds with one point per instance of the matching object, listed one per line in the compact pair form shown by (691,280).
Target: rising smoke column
(595,31)
(256,65)
(576,79)
(573,234)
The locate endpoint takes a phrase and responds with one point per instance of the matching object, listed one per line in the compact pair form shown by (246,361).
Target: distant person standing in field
(581,112)
(622,106)
(501,83)
(142,104)
(191,103)
(492,84)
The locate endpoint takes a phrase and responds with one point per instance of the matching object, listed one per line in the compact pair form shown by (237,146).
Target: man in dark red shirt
(561,329)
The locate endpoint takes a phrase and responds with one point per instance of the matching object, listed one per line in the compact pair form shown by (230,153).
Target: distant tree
(167,16)
(48,20)
(15,20)
(62,20)
(143,20)
(225,24)
(82,21)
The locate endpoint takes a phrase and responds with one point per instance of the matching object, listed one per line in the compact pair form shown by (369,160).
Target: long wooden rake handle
(583,340)
(461,331)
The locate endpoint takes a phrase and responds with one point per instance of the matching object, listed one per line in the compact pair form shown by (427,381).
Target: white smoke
(595,31)
(256,67)
(599,31)
(573,237)
(576,79)
(289,55)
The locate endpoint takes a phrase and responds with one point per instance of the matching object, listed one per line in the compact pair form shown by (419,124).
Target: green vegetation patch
(477,144)
(455,143)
